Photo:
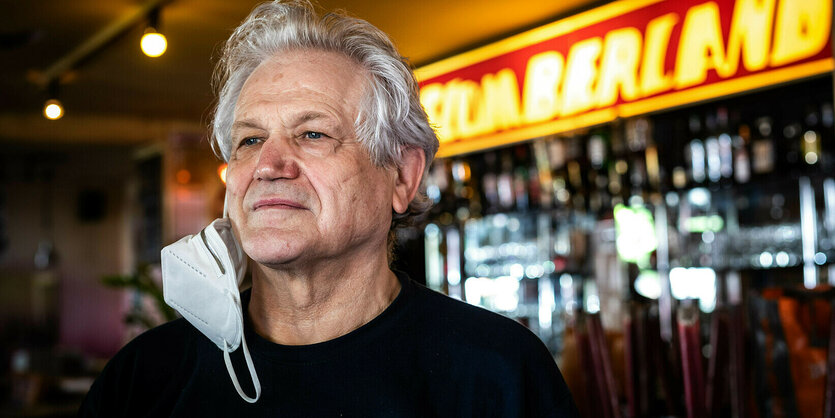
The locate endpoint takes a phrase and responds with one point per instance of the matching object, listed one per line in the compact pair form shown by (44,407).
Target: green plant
(142,282)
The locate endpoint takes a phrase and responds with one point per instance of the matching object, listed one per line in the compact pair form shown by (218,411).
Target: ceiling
(119,95)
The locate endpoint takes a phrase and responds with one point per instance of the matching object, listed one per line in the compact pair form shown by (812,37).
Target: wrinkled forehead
(313,71)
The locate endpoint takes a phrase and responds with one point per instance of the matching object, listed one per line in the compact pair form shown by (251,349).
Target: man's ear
(408,178)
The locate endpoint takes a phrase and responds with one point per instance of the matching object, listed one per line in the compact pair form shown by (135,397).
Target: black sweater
(426,355)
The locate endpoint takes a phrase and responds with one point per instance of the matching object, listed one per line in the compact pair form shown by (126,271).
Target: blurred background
(674,247)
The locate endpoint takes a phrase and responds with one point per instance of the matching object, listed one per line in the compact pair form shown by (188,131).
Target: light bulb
(221,172)
(53,110)
(153,43)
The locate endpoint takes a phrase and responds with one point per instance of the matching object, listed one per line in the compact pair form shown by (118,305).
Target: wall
(74,197)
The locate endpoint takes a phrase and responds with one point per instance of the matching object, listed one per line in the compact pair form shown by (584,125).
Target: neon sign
(619,60)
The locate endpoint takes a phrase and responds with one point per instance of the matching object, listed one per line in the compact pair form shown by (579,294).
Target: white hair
(390,119)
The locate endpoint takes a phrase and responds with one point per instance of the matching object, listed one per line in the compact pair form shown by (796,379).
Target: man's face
(301,187)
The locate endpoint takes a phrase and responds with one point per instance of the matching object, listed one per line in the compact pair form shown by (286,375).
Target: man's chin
(276,261)
(274,255)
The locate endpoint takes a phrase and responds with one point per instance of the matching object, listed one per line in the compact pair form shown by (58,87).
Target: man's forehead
(313,63)
(300,75)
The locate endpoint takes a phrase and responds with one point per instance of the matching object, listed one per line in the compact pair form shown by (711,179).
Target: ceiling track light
(49,78)
(52,108)
(153,43)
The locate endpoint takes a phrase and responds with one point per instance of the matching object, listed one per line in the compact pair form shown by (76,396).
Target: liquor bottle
(436,181)
(762,146)
(637,134)
(810,144)
(578,192)
(435,257)
(534,187)
(638,179)
(679,177)
(461,174)
(543,173)
(489,184)
(827,124)
(574,153)
(791,158)
(726,157)
(711,144)
(742,160)
(596,148)
(695,152)
(557,153)
(672,135)
(441,190)
(476,199)
(616,175)
(557,156)
(595,200)
(617,167)
(453,252)
(598,153)
(651,158)
(520,179)
(505,183)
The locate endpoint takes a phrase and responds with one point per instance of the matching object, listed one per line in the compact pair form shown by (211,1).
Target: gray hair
(390,119)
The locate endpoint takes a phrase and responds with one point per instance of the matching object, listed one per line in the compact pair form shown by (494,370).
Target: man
(320,122)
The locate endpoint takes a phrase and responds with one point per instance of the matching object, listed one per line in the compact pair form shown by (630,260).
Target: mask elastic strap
(225,199)
(239,252)
(255,382)
(231,370)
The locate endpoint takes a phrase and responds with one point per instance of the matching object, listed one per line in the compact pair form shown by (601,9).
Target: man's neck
(294,308)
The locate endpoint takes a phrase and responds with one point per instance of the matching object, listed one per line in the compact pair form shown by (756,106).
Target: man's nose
(277,159)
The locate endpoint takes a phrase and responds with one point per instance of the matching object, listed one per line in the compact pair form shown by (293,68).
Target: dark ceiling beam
(81,129)
(96,42)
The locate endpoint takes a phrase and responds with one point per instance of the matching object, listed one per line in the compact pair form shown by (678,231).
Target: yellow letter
(619,66)
(751,27)
(802,29)
(432,98)
(470,119)
(542,78)
(501,99)
(701,46)
(580,74)
(653,77)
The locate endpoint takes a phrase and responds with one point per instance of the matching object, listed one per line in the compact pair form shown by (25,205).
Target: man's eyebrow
(246,123)
(309,116)
(330,121)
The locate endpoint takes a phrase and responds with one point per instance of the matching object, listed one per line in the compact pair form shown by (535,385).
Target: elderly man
(327,144)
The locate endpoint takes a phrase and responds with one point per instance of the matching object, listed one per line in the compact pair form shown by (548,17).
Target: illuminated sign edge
(651,104)
(531,37)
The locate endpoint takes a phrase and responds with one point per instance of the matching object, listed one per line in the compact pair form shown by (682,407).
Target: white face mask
(200,278)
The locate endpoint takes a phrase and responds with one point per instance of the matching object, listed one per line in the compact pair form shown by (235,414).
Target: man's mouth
(277,203)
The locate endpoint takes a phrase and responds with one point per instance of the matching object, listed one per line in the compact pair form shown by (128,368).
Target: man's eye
(313,135)
(249,141)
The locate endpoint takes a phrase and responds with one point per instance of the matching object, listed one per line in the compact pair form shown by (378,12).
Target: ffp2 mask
(200,275)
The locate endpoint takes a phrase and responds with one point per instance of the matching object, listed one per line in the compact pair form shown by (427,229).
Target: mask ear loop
(226,199)
(239,251)
(255,382)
